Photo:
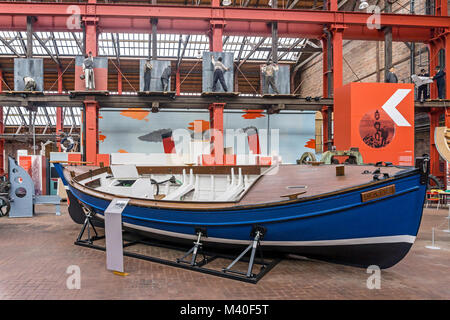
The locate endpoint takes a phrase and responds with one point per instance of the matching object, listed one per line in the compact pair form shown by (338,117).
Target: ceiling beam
(19,111)
(54,45)
(116,47)
(44,46)
(301,64)
(291,48)
(47,116)
(74,123)
(6,43)
(315,46)
(78,42)
(5,121)
(252,51)
(225,40)
(241,49)
(180,58)
(128,12)
(22,42)
(180,42)
(293,4)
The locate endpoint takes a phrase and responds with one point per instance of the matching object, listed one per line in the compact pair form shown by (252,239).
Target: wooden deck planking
(317,179)
(273,187)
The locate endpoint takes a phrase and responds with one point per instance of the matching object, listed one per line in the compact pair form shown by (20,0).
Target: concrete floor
(36,252)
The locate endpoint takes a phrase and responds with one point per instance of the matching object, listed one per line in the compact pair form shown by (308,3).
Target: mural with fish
(135,130)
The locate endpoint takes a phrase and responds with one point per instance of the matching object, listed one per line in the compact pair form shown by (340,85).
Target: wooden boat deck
(317,179)
(280,184)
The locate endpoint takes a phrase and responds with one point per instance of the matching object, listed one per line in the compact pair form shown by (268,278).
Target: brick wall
(360,64)
(360,58)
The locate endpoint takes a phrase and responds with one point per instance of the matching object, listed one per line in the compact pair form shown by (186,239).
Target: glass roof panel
(137,45)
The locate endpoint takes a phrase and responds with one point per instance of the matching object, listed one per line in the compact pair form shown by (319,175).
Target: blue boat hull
(338,228)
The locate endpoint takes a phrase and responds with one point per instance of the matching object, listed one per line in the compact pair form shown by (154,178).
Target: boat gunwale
(280,219)
(230,205)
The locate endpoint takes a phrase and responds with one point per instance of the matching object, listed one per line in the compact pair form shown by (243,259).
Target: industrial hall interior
(224,150)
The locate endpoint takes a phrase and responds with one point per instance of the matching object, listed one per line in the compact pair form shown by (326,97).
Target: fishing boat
(365,215)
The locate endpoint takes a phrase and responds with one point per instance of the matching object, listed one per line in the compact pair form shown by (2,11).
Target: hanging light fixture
(363,5)
(226,2)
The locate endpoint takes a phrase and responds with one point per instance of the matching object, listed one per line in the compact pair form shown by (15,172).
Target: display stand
(258,234)
(74,94)
(87,225)
(113,234)
(28,67)
(35,93)
(155,85)
(220,94)
(282,80)
(208,72)
(157,93)
(274,95)
(132,239)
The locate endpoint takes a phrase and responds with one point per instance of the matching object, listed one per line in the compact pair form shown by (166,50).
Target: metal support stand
(193,265)
(88,224)
(194,250)
(258,233)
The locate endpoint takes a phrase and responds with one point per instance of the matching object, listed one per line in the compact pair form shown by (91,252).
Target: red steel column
(59,112)
(119,82)
(215,36)
(91,148)
(337,45)
(433,50)
(216,109)
(441,7)
(177,82)
(91,106)
(440,41)
(216,31)
(326,74)
(434,154)
(434,46)
(337,76)
(333,5)
(337,58)
(216,130)
(90,23)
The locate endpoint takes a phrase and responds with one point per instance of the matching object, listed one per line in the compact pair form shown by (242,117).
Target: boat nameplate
(378,193)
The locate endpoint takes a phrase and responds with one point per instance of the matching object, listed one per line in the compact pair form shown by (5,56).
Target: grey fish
(155,136)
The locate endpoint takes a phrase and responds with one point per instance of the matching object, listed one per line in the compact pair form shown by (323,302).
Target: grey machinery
(21,194)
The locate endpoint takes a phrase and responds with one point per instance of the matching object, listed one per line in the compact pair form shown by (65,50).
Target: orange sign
(377,118)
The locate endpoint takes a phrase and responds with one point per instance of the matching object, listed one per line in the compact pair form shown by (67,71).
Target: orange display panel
(377,118)
(26,163)
(72,157)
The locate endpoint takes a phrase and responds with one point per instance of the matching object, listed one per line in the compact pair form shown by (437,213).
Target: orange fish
(101,137)
(122,151)
(199,125)
(253,114)
(135,113)
(311,143)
